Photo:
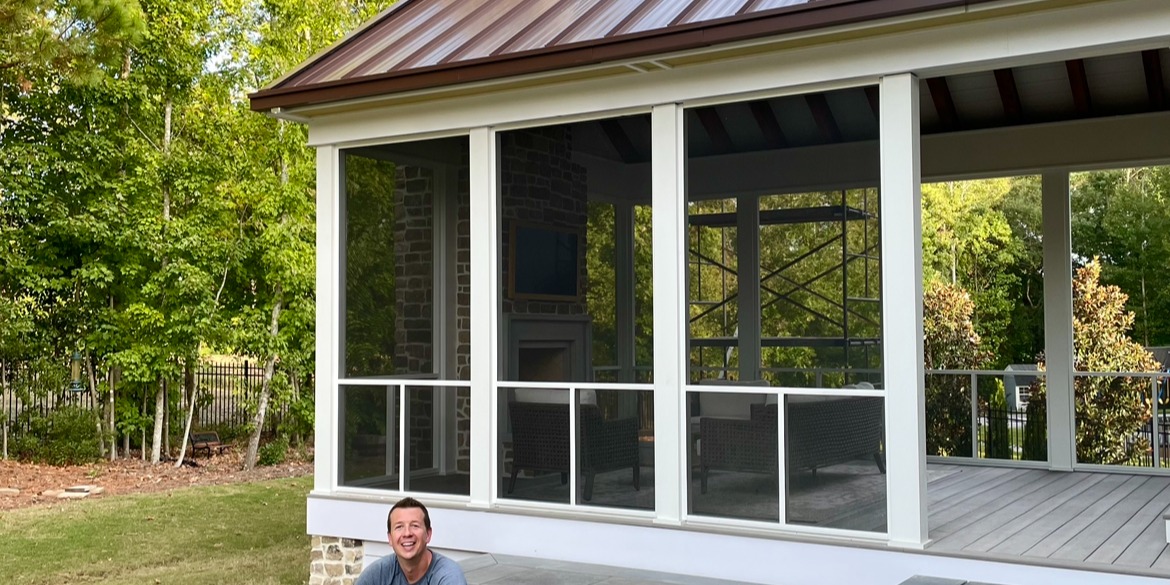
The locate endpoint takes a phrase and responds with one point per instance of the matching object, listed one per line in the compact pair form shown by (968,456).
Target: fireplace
(547,348)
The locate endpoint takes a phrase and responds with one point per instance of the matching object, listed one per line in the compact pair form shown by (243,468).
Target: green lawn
(245,533)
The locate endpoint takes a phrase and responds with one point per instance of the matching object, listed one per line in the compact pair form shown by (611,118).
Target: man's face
(408,533)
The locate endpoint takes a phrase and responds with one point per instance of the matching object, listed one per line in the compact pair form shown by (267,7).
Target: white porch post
(1058,307)
(329,173)
(485,238)
(670,331)
(901,225)
(747,231)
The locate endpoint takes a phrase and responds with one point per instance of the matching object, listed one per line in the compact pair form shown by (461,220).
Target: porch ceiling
(1113,85)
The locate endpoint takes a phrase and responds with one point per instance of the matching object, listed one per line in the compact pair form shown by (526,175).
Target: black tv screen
(544,263)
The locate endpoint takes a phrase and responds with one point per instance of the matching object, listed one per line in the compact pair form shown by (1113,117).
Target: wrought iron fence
(226,395)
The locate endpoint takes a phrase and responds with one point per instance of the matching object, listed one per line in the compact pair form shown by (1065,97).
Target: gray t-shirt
(385,571)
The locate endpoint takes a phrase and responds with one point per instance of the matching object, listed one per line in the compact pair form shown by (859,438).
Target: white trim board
(1082,31)
(688,552)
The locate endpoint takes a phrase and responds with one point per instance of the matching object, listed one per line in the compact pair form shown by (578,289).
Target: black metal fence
(226,397)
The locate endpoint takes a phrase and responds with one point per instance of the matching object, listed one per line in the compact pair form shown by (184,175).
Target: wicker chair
(540,442)
(821,432)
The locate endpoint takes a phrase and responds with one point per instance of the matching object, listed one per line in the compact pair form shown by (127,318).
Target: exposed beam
(769,125)
(823,116)
(1078,82)
(944,104)
(621,141)
(1155,87)
(871,95)
(716,131)
(1009,95)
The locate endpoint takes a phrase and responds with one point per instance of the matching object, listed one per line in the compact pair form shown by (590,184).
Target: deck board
(1070,489)
(1076,525)
(1103,528)
(1069,519)
(1054,520)
(991,520)
(1163,562)
(974,508)
(1129,535)
(965,479)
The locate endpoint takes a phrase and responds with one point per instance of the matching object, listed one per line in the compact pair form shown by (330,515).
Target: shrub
(998,435)
(949,342)
(273,452)
(66,436)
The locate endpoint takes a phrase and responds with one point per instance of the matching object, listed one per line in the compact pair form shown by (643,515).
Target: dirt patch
(132,476)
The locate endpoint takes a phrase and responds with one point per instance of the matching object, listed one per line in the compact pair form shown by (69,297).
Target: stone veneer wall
(334,561)
(540,184)
(414,251)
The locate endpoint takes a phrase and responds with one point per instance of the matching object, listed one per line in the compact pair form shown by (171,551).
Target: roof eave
(811,17)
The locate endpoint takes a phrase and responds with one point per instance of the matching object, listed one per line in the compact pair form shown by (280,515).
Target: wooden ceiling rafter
(1009,95)
(769,126)
(620,140)
(944,103)
(1155,86)
(716,131)
(1078,82)
(872,95)
(819,106)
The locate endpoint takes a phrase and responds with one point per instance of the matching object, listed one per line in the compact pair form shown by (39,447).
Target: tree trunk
(159,406)
(266,387)
(93,387)
(109,412)
(189,391)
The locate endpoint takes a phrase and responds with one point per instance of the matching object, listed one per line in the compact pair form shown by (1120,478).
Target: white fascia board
(690,552)
(1069,32)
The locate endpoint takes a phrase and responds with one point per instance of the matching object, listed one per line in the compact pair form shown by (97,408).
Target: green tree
(1110,411)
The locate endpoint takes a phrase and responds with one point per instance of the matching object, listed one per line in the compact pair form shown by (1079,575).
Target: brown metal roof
(420,44)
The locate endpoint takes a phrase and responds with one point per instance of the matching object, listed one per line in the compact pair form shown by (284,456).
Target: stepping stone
(9,492)
(88,489)
(67,495)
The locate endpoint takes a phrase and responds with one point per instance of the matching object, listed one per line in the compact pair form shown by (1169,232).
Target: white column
(901,253)
(485,293)
(670,331)
(329,173)
(747,243)
(1058,311)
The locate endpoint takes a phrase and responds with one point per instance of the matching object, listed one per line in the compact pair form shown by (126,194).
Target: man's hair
(409,503)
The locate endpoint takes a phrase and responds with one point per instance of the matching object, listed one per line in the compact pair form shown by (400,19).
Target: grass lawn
(242,533)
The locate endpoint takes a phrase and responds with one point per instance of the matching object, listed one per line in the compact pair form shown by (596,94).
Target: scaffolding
(838,302)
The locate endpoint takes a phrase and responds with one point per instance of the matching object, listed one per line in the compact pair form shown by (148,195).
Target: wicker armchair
(540,442)
(821,431)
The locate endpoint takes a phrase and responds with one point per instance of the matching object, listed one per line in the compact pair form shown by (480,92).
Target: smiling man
(409,530)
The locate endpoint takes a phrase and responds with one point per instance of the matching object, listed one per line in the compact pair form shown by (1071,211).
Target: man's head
(408,527)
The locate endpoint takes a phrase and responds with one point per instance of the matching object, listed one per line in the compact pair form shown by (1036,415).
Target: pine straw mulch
(134,476)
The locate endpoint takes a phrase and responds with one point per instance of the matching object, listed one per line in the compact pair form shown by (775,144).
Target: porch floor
(1076,519)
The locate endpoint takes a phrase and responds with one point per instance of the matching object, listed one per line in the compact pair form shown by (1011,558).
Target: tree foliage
(1109,410)
(949,343)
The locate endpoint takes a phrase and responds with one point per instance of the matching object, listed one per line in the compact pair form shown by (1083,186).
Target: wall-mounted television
(544,263)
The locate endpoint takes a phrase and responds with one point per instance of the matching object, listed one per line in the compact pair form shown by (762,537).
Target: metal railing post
(974,416)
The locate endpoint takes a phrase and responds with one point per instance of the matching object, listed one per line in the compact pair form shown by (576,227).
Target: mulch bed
(131,476)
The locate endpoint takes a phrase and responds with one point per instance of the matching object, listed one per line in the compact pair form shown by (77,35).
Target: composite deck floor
(1072,519)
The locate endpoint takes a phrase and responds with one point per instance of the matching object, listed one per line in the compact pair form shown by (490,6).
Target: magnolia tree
(949,342)
(1110,411)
